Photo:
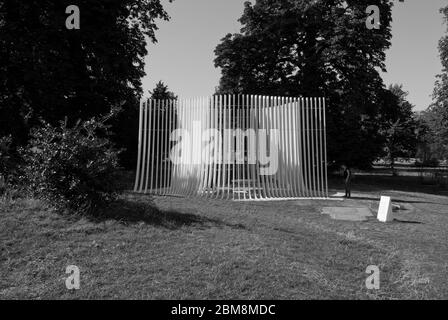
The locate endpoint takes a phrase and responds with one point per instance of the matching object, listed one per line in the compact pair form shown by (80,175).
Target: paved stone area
(348,213)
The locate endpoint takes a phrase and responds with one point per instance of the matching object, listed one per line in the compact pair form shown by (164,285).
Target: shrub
(430,163)
(6,162)
(72,169)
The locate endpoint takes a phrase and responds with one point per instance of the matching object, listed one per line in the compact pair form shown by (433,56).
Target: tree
(314,48)
(48,72)
(161,92)
(436,117)
(399,124)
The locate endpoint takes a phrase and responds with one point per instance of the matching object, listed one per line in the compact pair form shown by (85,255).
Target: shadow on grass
(134,211)
(393,200)
(407,221)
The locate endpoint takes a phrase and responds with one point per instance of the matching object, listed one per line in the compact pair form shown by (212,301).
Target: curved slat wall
(239,147)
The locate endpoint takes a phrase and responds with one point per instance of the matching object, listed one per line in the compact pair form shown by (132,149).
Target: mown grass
(174,248)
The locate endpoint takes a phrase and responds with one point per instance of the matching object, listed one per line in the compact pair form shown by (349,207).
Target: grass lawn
(174,248)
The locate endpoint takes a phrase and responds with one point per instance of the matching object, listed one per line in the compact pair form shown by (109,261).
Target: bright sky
(183,57)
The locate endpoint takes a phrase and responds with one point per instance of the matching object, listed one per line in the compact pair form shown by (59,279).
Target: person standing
(347,181)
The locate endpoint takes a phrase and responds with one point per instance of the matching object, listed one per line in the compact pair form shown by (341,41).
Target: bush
(430,163)
(72,169)
(6,162)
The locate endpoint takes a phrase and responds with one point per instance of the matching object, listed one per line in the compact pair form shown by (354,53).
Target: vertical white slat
(170,164)
(191,177)
(248,141)
(316,134)
(194,166)
(168,148)
(284,147)
(215,146)
(277,125)
(159,147)
(312,147)
(253,165)
(241,146)
(182,164)
(140,134)
(252,146)
(311,134)
(165,146)
(274,126)
(308,149)
(313,171)
(224,146)
(209,108)
(201,168)
(304,148)
(148,155)
(260,111)
(284,153)
(229,153)
(269,123)
(186,176)
(266,126)
(289,148)
(237,145)
(193,173)
(299,162)
(247,147)
(220,163)
(293,140)
(198,164)
(269,126)
(145,130)
(232,144)
(151,135)
(162,148)
(295,134)
(321,171)
(316,138)
(176,166)
(241,149)
(205,144)
(310,139)
(325,149)
(257,143)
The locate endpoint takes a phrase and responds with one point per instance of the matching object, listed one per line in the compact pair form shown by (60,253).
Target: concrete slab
(348,213)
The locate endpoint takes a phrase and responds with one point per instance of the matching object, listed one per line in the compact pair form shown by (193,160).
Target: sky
(183,57)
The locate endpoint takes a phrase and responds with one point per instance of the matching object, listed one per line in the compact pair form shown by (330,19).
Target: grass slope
(173,248)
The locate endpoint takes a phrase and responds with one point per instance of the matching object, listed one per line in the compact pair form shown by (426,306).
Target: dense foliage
(71,168)
(435,119)
(315,48)
(50,73)
(399,124)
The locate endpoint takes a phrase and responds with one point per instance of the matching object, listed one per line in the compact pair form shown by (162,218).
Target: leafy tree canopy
(433,122)
(48,72)
(315,48)
(161,92)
